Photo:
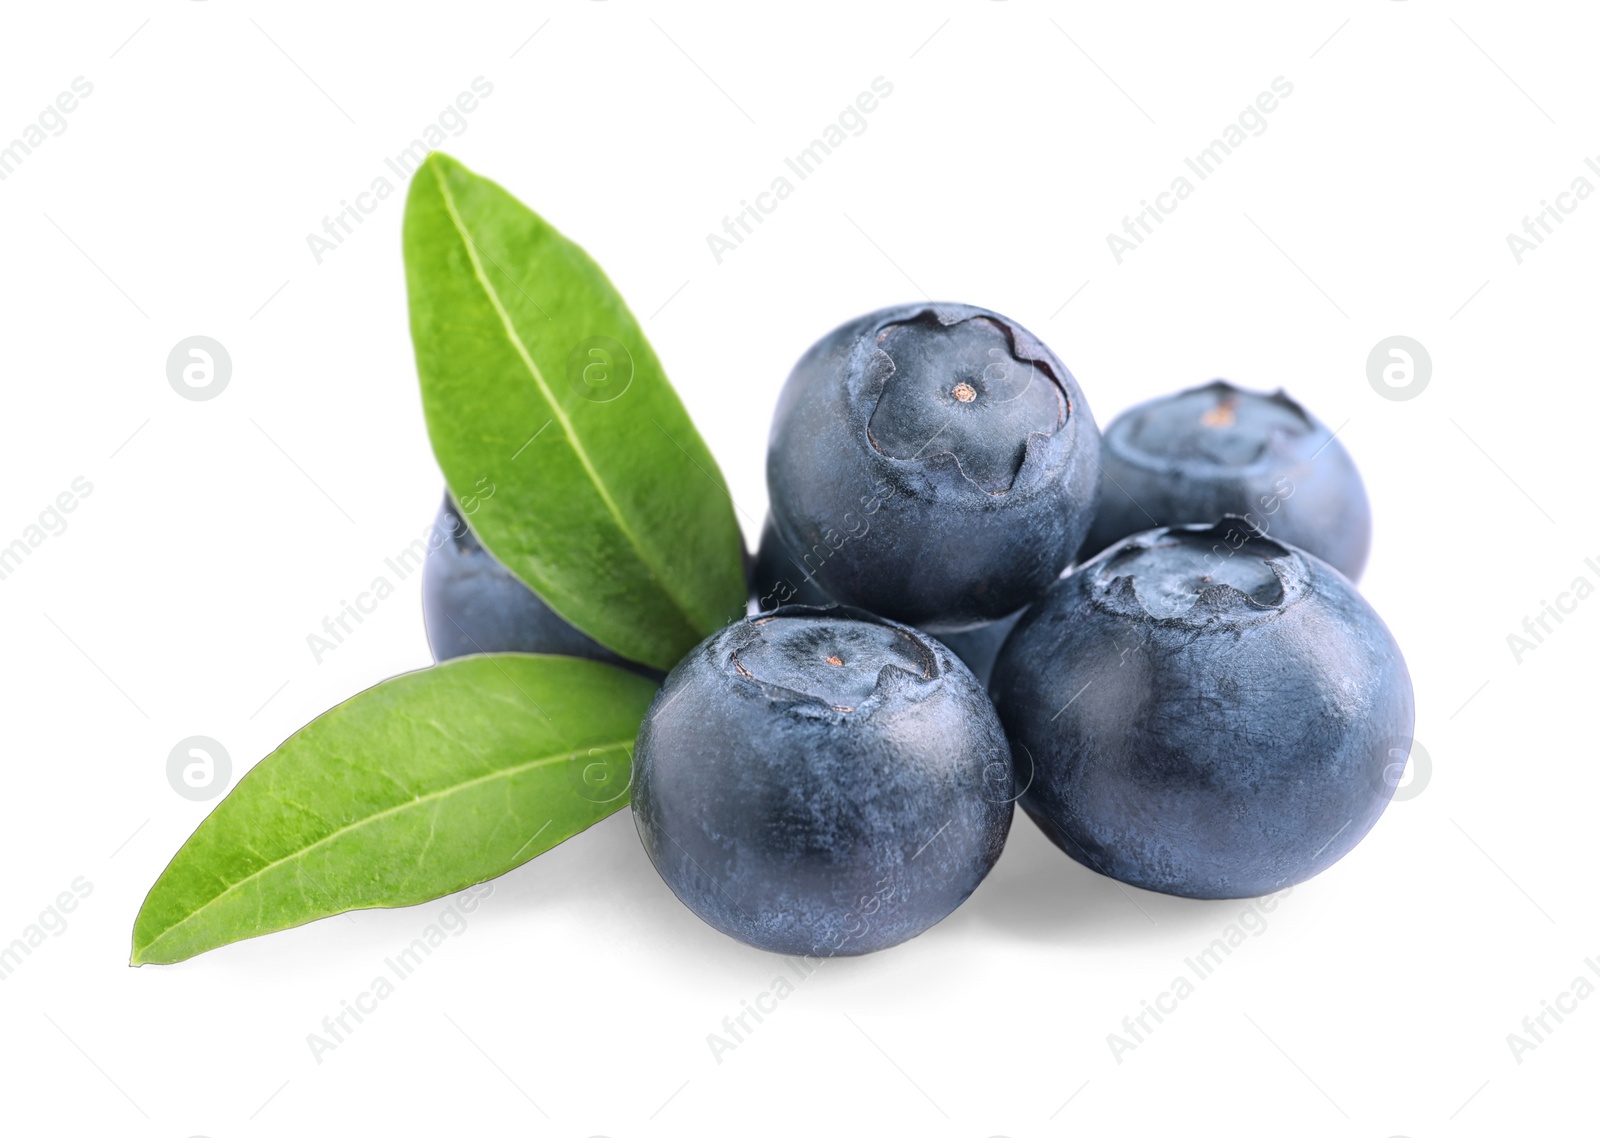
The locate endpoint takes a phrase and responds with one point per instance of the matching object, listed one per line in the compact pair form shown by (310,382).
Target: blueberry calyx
(958,388)
(1229,571)
(864,658)
(1241,431)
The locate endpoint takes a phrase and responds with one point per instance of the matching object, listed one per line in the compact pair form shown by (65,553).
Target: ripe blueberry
(1205,711)
(1216,449)
(472,603)
(822,782)
(937,463)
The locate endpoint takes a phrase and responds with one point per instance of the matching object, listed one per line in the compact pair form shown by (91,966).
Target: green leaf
(557,430)
(418,787)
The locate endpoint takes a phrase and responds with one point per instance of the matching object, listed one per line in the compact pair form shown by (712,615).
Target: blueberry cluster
(966,597)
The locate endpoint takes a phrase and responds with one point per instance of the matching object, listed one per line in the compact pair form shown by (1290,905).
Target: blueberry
(779,577)
(822,782)
(1216,449)
(937,463)
(1205,711)
(472,603)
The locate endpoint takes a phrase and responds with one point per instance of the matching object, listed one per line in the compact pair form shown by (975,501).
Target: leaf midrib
(504,772)
(657,572)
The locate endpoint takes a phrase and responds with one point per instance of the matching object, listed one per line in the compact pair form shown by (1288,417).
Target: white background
(219,534)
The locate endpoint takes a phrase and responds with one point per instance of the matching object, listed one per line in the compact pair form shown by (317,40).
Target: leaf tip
(438,162)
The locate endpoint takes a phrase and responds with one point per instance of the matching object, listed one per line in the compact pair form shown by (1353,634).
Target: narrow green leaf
(556,428)
(420,786)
